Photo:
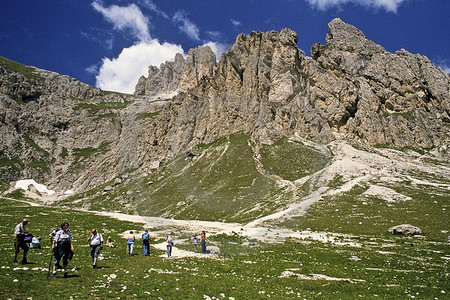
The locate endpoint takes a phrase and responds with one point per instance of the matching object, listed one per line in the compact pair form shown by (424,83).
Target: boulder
(405,229)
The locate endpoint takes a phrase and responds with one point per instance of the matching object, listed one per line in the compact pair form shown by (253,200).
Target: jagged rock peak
(180,74)
(347,37)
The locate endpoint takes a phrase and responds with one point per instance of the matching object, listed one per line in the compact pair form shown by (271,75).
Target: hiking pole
(50,263)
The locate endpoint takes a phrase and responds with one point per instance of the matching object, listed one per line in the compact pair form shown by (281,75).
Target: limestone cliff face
(178,75)
(71,135)
(265,86)
(67,134)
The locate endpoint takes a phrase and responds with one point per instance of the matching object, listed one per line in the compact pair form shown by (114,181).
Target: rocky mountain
(73,136)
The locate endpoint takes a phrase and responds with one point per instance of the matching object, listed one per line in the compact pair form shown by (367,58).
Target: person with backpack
(20,234)
(96,244)
(130,242)
(195,242)
(54,245)
(146,242)
(64,248)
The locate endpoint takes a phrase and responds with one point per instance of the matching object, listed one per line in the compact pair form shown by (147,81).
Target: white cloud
(443,63)
(235,23)
(217,48)
(388,5)
(122,73)
(149,4)
(126,18)
(92,69)
(186,25)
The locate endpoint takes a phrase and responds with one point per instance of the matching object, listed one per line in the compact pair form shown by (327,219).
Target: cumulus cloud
(388,5)
(186,25)
(217,48)
(122,73)
(126,18)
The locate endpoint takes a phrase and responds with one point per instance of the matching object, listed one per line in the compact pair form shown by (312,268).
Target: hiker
(54,245)
(146,242)
(203,238)
(109,242)
(19,241)
(130,242)
(170,243)
(64,248)
(195,242)
(96,244)
(36,242)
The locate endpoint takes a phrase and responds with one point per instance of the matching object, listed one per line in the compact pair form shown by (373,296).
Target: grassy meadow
(365,266)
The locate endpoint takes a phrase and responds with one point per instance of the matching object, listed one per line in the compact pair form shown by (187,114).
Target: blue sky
(111,43)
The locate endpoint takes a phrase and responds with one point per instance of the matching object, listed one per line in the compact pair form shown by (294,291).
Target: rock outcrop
(405,229)
(178,75)
(60,131)
(266,86)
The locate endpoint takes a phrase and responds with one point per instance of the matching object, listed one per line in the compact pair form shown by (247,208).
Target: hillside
(262,131)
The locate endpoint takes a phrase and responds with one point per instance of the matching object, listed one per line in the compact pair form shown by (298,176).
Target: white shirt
(96,239)
(20,228)
(63,235)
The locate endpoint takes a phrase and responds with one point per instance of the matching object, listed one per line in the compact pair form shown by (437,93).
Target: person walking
(64,248)
(195,242)
(203,238)
(20,233)
(146,242)
(130,242)
(54,245)
(170,243)
(96,244)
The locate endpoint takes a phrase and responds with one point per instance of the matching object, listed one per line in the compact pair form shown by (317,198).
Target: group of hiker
(62,247)
(169,239)
(60,238)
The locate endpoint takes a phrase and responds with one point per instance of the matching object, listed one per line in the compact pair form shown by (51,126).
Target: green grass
(35,146)
(247,269)
(81,154)
(142,116)
(224,173)
(292,160)
(106,116)
(24,70)
(354,213)
(94,108)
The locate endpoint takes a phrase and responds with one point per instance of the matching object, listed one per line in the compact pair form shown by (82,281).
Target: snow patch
(24,184)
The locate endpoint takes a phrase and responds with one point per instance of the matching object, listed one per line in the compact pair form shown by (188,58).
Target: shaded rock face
(60,131)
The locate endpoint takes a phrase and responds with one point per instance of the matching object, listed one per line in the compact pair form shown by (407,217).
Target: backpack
(145,237)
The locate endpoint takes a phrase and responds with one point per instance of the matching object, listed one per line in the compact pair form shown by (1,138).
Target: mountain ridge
(73,136)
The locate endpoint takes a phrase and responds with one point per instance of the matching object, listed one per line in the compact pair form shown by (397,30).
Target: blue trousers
(169,250)
(203,246)
(146,247)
